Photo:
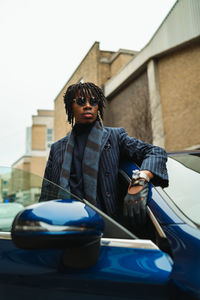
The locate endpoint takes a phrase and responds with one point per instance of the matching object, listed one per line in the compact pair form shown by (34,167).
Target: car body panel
(185,245)
(124,270)
(183,236)
(164,213)
(117,266)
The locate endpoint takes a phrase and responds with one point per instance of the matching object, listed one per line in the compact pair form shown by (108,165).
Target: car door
(127,267)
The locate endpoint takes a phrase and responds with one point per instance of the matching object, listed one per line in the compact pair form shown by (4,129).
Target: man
(86,161)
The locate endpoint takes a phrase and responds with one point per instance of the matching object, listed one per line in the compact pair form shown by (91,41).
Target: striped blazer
(116,146)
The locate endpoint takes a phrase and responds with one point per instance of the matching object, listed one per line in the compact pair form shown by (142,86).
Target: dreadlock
(84,90)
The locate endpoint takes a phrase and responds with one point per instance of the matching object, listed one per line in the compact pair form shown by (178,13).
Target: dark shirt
(81,132)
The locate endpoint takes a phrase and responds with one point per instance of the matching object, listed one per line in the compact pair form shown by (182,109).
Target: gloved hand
(135,205)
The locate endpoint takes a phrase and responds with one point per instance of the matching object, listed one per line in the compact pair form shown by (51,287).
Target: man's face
(85,113)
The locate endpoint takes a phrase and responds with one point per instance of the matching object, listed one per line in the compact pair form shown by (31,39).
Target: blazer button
(107,194)
(107,173)
(107,147)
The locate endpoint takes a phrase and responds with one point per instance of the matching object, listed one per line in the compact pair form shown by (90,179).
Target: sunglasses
(81,101)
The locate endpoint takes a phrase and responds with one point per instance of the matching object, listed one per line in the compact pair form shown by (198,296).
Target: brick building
(156,96)
(154,93)
(97,67)
(38,141)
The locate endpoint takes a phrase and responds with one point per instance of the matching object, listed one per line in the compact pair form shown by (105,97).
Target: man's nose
(87,104)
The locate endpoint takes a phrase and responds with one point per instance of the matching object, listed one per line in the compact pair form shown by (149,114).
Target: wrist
(148,173)
(141,175)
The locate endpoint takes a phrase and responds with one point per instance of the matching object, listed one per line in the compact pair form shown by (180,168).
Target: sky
(44,41)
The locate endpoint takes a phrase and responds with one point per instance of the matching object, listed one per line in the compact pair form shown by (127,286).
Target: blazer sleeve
(147,156)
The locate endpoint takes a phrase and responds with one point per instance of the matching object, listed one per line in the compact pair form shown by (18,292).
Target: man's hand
(135,203)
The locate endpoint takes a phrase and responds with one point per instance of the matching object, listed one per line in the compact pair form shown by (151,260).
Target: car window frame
(127,233)
(133,241)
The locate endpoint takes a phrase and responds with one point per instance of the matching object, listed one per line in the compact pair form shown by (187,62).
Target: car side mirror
(60,224)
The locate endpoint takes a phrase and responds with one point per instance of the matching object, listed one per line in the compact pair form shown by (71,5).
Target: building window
(5,182)
(49,138)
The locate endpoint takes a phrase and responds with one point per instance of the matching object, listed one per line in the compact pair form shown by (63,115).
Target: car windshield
(19,189)
(184,184)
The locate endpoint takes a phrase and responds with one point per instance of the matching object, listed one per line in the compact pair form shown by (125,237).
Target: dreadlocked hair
(84,90)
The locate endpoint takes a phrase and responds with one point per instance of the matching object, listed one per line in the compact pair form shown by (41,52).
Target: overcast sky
(42,43)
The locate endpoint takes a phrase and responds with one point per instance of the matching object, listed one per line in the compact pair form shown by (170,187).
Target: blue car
(65,248)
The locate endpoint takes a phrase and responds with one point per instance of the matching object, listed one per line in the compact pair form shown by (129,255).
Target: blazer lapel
(63,146)
(105,137)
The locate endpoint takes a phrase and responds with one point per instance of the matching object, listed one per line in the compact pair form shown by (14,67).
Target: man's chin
(87,121)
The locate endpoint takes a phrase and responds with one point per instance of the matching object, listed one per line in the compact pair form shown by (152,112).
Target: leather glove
(135,205)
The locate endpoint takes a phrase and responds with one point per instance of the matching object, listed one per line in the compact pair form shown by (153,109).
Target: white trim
(109,242)
(39,153)
(156,224)
(5,235)
(125,243)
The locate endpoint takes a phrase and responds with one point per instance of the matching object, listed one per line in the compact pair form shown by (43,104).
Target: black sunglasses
(81,101)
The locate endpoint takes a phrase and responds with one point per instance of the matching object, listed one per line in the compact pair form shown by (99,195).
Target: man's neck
(81,128)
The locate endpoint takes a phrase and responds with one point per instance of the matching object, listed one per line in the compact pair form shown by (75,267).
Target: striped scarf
(90,163)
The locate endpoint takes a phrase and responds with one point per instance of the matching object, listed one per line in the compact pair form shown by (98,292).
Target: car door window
(23,188)
(184,187)
(19,189)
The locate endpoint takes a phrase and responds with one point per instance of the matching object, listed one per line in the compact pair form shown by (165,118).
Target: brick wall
(88,70)
(179,83)
(121,60)
(38,137)
(129,108)
(37,165)
(97,67)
